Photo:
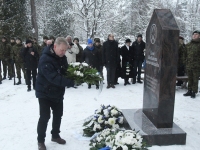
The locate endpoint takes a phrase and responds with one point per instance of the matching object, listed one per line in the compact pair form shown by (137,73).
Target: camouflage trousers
(20,66)
(7,67)
(193,78)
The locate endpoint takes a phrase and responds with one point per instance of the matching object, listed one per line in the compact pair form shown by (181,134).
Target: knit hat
(139,35)
(196,31)
(45,38)
(89,41)
(180,37)
(12,38)
(4,37)
(28,41)
(128,41)
(97,40)
(18,38)
(76,39)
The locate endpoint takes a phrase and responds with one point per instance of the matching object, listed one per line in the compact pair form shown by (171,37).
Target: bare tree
(34,19)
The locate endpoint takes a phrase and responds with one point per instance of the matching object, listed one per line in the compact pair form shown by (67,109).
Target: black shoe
(4,78)
(116,83)
(133,82)
(189,93)
(108,86)
(0,82)
(10,78)
(58,140)
(128,83)
(89,86)
(125,84)
(112,86)
(29,89)
(97,87)
(41,146)
(139,81)
(193,95)
(19,82)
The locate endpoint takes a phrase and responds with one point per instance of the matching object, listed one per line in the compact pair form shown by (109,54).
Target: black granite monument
(155,120)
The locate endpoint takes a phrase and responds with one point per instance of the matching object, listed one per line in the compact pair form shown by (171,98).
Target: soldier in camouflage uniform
(12,44)
(16,56)
(5,49)
(36,45)
(192,60)
(181,66)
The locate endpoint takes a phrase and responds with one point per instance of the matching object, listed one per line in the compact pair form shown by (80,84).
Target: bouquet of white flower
(106,117)
(82,72)
(113,139)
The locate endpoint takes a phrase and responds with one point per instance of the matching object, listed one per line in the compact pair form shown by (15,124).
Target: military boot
(193,95)
(41,146)
(189,93)
(19,82)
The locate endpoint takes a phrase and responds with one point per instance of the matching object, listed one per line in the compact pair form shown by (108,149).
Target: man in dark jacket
(50,89)
(127,61)
(99,47)
(79,55)
(110,58)
(91,57)
(138,55)
(30,58)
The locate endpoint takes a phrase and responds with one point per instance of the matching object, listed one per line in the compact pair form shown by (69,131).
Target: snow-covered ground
(19,113)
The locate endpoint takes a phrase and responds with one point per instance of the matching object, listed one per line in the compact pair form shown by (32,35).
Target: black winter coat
(138,50)
(30,61)
(110,54)
(92,58)
(50,82)
(126,58)
(99,49)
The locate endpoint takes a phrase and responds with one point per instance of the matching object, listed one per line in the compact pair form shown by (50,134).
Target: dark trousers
(0,71)
(193,79)
(7,66)
(181,72)
(137,69)
(111,74)
(28,77)
(45,106)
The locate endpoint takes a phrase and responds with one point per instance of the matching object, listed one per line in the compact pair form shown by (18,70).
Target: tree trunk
(33,19)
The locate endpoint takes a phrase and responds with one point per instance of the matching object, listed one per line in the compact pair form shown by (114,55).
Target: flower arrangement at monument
(82,72)
(106,117)
(113,139)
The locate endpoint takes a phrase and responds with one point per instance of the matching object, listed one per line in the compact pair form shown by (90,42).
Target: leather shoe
(41,146)
(58,140)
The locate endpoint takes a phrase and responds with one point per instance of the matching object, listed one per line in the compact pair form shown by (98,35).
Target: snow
(19,113)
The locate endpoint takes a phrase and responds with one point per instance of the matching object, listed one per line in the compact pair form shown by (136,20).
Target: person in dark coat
(99,48)
(50,89)
(127,61)
(91,57)
(79,55)
(110,58)
(181,66)
(30,59)
(138,55)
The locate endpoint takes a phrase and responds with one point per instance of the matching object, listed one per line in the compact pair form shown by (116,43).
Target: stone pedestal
(136,119)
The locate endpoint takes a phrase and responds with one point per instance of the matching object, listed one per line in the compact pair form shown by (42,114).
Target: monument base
(136,119)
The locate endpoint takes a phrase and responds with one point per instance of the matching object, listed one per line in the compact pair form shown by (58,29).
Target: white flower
(100,119)
(127,73)
(98,111)
(76,63)
(111,121)
(128,70)
(138,145)
(106,112)
(124,147)
(96,126)
(115,126)
(114,112)
(121,120)
(85,64)
(94,144)
(129,140)
(106,122)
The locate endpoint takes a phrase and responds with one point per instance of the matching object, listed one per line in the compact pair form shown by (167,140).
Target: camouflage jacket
(5,49)
(192,55)
(16,53)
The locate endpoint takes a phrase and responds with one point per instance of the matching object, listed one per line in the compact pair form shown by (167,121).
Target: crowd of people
(125,62)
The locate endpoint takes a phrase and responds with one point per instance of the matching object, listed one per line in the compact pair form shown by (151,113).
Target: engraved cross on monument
(155,120)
